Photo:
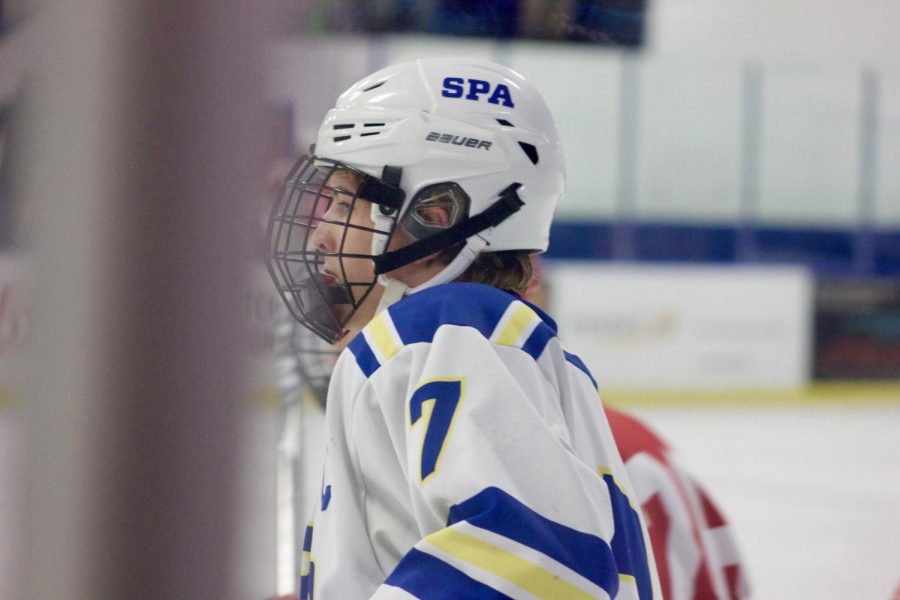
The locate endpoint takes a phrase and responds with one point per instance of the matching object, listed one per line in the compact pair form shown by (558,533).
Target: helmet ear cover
(446,196)
(505,206)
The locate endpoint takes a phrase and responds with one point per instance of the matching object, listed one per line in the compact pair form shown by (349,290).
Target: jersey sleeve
(503,506)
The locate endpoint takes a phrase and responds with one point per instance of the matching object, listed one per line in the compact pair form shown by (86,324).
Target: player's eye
(340,201)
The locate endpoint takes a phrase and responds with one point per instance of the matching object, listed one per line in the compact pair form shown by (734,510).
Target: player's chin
(328,276)
(341,312)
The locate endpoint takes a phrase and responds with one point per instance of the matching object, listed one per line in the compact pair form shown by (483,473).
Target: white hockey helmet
(469,129)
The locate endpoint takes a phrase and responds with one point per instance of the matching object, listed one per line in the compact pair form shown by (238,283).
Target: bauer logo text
(457,140)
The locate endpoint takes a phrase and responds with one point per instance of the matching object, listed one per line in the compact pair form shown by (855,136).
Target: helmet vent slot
(369,130)
(531,151)
(375,86)
(505,123)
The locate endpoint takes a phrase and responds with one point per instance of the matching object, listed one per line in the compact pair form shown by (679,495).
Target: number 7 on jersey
(434,402)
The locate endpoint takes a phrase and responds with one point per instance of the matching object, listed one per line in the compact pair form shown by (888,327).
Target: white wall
(678,327)
(778,31)
(690,78)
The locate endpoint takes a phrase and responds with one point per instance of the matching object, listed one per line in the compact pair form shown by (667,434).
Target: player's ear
(434,216)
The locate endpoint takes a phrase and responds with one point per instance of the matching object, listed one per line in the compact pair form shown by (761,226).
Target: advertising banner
(686,327)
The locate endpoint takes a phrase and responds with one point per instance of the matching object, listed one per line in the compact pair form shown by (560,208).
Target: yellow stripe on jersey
(381,336)
(523,573)
(607,471)
(625,578)
(522,316)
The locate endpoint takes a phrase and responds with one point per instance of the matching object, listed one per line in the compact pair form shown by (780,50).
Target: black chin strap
(505,206)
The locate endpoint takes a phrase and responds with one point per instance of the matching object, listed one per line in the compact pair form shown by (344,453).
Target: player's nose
(323,237)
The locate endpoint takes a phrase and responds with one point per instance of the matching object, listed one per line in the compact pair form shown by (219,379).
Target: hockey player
(696,554)
(467,455)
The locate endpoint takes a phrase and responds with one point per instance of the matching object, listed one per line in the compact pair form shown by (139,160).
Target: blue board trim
(826,251)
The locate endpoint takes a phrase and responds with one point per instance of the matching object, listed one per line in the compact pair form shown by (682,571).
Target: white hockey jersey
(468,456)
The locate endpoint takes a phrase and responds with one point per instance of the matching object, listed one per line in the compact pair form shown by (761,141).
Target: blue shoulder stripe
(628,540)
(475,305)
(419,316)
(538,340)
(430,578)
(498,512)
(543,333)
(307,538)
(497,315)
(579,364)
(365,358)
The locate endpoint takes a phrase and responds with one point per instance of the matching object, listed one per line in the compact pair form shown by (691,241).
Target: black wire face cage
(325,195)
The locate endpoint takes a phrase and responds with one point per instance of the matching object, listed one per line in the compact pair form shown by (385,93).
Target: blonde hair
(509,270)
